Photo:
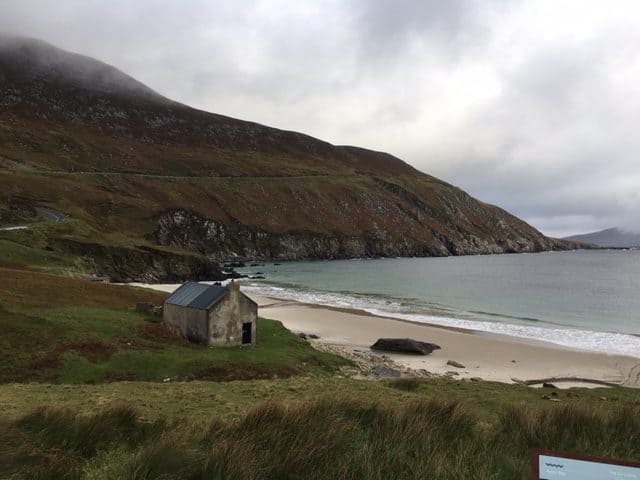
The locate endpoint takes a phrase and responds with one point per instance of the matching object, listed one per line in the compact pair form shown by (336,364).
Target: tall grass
(322,439)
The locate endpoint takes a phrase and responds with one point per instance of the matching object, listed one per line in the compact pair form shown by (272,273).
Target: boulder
(144,307)
(149,308)
(404,345)
(233,275)
(382,371)
(453,363)
(234,265)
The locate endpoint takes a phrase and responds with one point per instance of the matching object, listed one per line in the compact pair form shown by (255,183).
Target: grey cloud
(385,27)
(535,116)
(565,149)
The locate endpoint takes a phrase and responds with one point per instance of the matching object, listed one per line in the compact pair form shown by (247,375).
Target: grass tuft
(319,439)
(406,384)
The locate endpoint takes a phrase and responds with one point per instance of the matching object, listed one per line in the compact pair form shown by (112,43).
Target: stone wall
(228,315)
(188,322)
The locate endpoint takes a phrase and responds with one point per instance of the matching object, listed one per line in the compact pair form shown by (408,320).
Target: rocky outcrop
(139,263)
(189,230)
(149,309)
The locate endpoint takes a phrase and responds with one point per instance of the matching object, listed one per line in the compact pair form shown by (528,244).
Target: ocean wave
(597,341)
(604,342)
(500,315)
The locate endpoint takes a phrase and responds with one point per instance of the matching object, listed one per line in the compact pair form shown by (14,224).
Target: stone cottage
(212,314)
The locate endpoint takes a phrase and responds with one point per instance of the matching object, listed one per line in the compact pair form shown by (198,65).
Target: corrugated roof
(197,295)
(209,297)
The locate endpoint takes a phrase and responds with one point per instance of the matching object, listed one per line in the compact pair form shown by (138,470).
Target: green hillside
(63,330)
(142,173)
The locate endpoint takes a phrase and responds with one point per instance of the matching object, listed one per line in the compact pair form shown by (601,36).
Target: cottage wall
(228,315)
(188,322)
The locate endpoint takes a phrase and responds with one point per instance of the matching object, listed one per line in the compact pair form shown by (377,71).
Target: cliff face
(189,230)
(139,263)
(81,137)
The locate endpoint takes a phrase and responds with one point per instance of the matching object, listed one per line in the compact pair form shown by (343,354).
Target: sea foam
(596,341)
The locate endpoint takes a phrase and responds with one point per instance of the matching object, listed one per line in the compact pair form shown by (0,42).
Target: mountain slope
(611,237)
(137,169)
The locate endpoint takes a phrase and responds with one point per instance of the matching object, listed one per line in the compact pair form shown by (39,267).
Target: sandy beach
(486,356)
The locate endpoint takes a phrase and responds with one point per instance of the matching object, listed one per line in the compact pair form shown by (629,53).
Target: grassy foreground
(82,396)
(323,439)
(196,401)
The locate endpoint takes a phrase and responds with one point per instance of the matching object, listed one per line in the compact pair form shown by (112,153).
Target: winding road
(50,215)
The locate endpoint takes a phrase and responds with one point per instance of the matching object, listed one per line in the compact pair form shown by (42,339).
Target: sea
(585,299)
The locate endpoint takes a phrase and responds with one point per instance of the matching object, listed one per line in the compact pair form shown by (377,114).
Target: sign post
(551,465)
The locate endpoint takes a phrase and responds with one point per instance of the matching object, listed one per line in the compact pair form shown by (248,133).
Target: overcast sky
(530,105)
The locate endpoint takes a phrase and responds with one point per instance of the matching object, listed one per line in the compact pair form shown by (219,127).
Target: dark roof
(197,295)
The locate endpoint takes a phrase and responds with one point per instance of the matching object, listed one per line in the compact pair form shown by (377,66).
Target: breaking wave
(526,328)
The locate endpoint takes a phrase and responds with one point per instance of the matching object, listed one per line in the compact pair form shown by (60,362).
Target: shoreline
(485,355)
(365,313)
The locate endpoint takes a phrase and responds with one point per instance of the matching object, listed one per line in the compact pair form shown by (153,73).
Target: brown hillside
(83,138)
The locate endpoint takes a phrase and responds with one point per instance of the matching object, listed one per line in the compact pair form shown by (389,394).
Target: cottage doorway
(246,333)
